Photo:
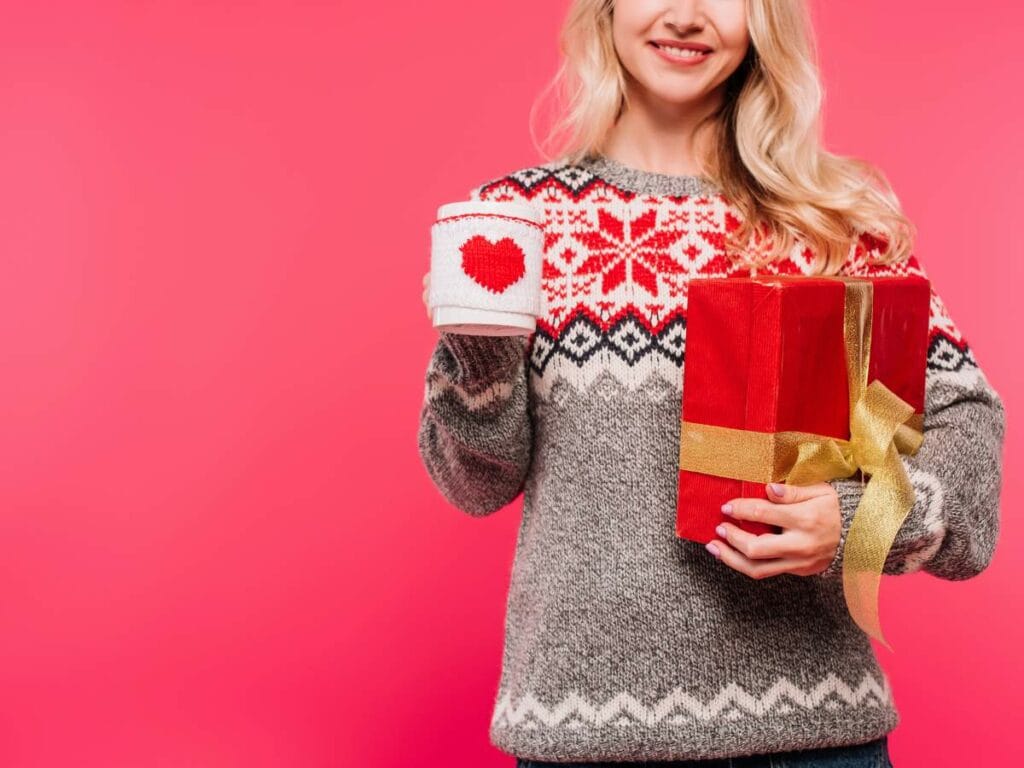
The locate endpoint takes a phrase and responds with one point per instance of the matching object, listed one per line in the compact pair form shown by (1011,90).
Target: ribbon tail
(884,506)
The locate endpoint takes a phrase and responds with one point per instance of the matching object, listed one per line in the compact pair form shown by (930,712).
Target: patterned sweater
(623,642)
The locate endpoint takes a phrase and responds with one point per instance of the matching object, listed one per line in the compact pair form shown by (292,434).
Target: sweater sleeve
(475,435)
(952,528)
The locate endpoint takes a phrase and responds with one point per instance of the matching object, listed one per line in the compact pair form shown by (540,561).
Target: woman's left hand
(811,522)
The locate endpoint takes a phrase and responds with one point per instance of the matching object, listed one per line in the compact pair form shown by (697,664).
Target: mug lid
(490,207)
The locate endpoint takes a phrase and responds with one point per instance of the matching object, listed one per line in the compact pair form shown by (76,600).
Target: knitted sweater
(622,641)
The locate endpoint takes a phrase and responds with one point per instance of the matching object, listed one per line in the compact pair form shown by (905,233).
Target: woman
(692,150)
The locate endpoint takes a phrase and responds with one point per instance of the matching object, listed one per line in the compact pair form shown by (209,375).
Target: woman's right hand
(426,293)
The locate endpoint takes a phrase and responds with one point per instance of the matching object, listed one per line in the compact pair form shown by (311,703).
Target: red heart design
(495,266)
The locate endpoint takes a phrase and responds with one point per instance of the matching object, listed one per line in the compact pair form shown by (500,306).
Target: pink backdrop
(217,544)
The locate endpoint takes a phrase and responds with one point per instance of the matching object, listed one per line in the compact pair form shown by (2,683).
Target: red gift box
(769,354)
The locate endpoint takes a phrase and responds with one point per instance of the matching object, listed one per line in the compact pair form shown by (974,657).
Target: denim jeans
(872,754)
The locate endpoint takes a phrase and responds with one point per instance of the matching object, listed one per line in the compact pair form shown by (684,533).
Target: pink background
(218,546)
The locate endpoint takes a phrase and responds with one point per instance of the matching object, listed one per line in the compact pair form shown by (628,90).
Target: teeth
(681,52)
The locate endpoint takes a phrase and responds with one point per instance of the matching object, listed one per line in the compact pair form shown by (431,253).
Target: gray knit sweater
(623,642)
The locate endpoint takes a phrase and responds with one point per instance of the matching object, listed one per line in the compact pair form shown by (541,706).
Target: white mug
(485,268)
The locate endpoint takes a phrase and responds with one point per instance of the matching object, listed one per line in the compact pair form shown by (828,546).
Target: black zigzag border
(946,354)
(630,341)
(572,178)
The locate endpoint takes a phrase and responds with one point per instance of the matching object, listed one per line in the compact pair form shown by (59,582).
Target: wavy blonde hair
(767,155)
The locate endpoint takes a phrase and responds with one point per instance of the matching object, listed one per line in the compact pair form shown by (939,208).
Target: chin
(677,98)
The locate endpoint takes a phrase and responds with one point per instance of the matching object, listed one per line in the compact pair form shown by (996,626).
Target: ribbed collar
(647,182)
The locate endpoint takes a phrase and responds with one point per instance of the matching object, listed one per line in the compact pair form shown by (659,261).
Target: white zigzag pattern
(966,376)
(659,377)
(656,376)
(732,702)
(438,384)
(928,491)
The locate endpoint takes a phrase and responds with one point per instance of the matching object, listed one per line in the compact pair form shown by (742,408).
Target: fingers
(803,547)
(762,546)
(794,508)
(790,494)
(760,569)
(764,511)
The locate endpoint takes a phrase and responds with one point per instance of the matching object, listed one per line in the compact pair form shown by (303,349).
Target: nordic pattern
(617,266)
(732,702)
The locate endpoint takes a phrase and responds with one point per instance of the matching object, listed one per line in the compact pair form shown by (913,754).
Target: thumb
(783,493)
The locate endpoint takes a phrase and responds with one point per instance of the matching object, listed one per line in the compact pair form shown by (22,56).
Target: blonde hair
(766,154)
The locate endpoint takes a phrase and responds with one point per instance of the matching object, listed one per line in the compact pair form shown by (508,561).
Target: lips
(679,56)
(674,45)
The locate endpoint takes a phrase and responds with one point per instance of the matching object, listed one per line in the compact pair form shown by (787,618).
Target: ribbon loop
(876,417)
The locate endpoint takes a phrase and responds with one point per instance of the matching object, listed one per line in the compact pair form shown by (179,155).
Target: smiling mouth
(678,52)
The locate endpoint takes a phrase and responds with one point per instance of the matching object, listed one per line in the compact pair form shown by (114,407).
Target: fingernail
(777,489)
(720,530)
(710,546)
(727,509)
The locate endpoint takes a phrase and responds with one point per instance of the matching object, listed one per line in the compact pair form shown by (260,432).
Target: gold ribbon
(882,425)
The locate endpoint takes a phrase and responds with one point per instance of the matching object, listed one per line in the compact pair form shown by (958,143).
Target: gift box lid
(768,353)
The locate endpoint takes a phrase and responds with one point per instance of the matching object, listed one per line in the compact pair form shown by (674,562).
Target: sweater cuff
(850,490)
(484,358)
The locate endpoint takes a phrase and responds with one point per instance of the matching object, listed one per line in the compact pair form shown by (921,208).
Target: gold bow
(882,425)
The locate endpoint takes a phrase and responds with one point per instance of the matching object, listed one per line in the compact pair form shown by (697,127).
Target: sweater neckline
(641,181)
